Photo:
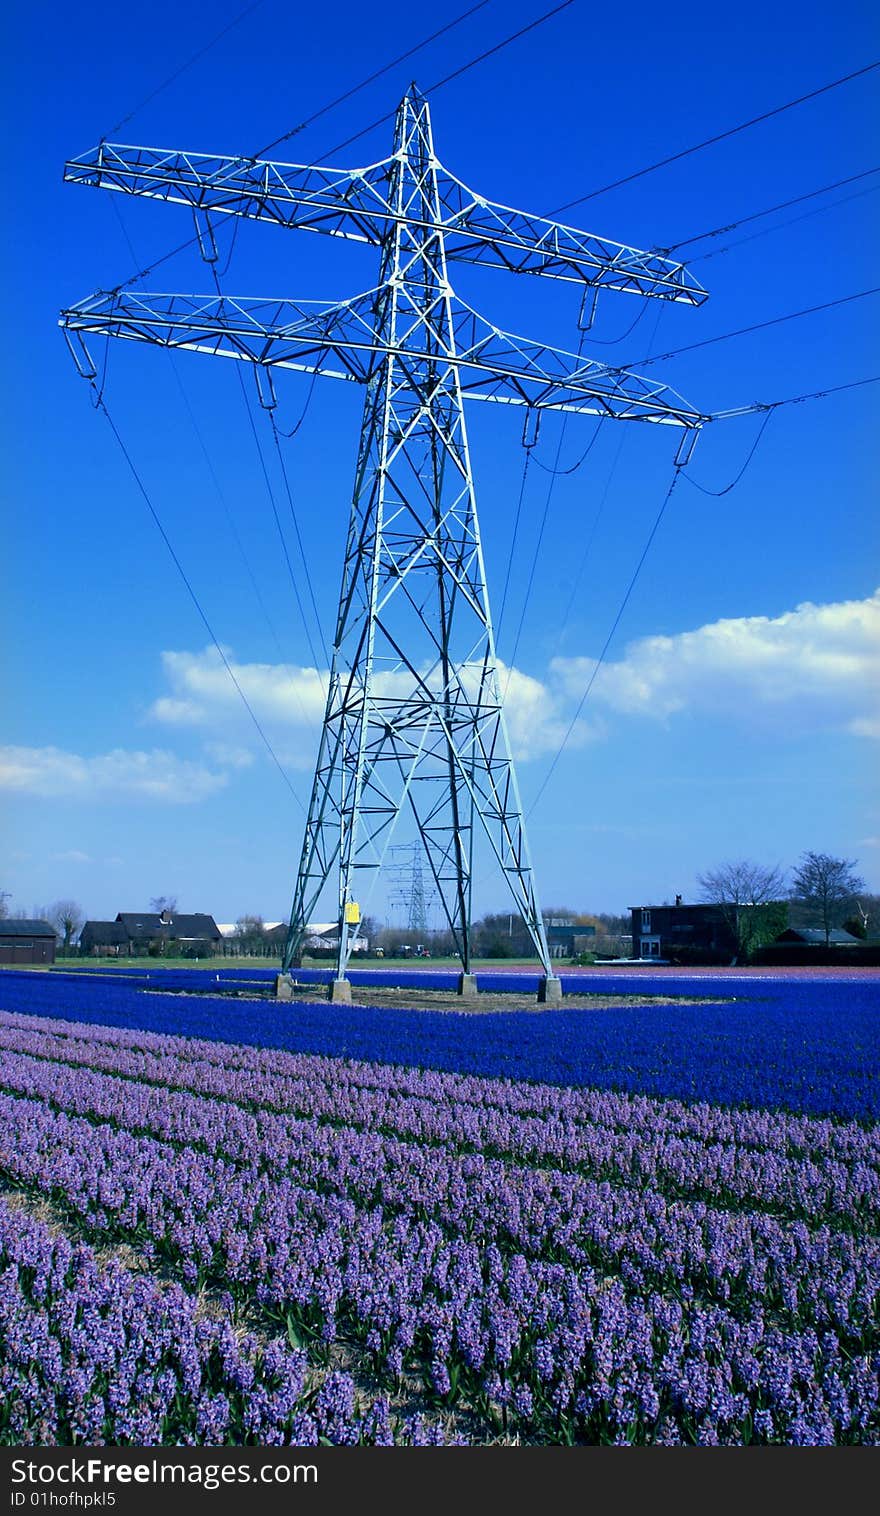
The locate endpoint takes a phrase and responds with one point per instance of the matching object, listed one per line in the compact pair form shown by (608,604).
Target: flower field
(208,1239)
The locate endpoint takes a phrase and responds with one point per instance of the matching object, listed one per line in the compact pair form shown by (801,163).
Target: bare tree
(744,892)
(67,916)
(5,898)
(826,885)
(160,903)
(250,932)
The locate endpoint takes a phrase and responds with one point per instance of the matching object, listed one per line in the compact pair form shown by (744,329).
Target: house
(170,929)
(24,941)
(685,931)
(103,939)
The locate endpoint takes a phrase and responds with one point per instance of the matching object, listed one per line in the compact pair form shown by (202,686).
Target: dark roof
(146,924)
(12,927)
(815,935)
(104,933)
(683,905)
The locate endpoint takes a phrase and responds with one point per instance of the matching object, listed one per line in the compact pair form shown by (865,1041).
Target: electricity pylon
(414,715)
(411,893)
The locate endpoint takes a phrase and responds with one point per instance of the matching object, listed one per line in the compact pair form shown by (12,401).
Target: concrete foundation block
(467,986)
(340,992)
(283,987)
(550,990)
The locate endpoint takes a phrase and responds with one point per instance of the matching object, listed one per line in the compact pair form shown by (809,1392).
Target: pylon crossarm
(340,342)
(481,231)
(350,203)
(358,204)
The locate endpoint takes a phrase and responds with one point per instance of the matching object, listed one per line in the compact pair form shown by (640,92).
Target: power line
(607,643)
(535,555)
(734,482)
(591,536)
(265,472)
(229,516)
(562,473)
(775,405)
(456,74)
(513,541)
(101,406)
(719,415)
(767,231)
(594,525)
(302,551)
(759,326)
(207,457)
(783,205)
(719,137)
(184,66)
(272,501)
(371,78)
(612,341)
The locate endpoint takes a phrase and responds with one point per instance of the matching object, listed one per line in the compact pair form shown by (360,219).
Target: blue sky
(736,714)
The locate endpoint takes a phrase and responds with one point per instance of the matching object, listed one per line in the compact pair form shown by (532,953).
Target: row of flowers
(776,1131)
(607,1138)
(805,1046)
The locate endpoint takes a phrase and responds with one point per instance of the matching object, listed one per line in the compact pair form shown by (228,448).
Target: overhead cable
(456,74)
(767,231)
(236,536)
(775,405)
(184,66)
(513,541)
(607,643)
(102,406)
(732,131)
(302,551)
(758,326)
(371,78)
(783,205)
(734,482)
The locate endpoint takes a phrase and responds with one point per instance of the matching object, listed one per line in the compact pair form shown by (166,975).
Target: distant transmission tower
(410,890)
(414,716)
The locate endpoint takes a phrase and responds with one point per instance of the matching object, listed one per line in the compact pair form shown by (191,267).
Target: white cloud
(73,855)
(155,775)
(228,756)
(289,702)
(811,669)
(817,666)
(538,717)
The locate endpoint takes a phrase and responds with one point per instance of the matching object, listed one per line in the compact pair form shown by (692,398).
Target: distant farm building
(706,932)
(134,933)
(170,931)
(566,936)
(662,931)
(23,941)
(103,939)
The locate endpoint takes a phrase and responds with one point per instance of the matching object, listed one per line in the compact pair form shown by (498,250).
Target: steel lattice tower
(411,892)
(414,718)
